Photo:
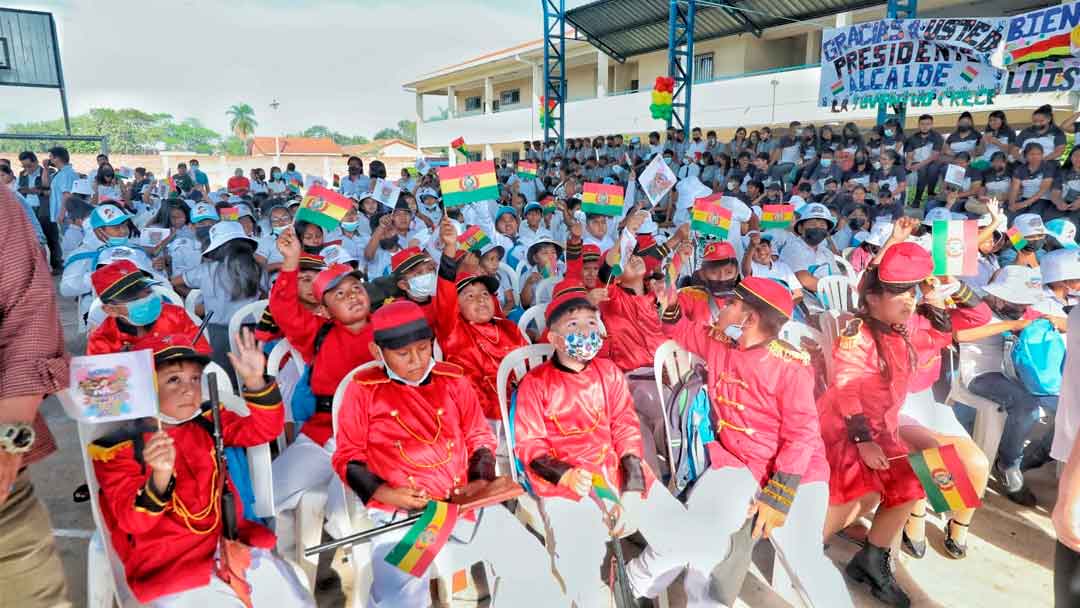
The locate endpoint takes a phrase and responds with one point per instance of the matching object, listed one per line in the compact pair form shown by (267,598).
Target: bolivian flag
(710,217)
(603,199)
(945,479)
(777,216)
(526,170)
(323,207)
(1018,241)
(415,552)
(601,490)
(474,239)
(468,183)
(956,248)
(1046,48)
(229,214)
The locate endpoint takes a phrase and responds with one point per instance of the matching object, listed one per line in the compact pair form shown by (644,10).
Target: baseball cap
(107,215)
(1063,231)
(204,211)
(331,278)
(1029,225)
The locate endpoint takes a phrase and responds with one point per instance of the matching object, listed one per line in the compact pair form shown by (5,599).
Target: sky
(338,63)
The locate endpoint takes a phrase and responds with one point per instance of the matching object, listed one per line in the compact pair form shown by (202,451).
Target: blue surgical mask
(277,230)
(116,241)
(584,346)
(422,286)
(144,311)
(825,162)
(350,226)
(734,331)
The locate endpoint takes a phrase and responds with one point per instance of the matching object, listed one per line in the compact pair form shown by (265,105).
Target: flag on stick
(474,239)
(943,476)
(459,145)
(710,217)
(601,489)
(526,170)
(323,207)
(468,183)
(602,199)
(777,216)
(415,552)
(956,248)
(1017,239)
(229,214)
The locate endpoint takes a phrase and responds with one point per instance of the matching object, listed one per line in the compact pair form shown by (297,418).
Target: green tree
(405,129)
(242,120)
(190,135)
(233,146)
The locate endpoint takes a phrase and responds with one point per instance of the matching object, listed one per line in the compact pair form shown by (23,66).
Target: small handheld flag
(777,216)
(474,239)
(956,248)
(526,170)
(295,185)
(600,489)
(337,180)
(945,479)
(459,145)
(415,552)
(323,207)
(548,204)
(671,274)
(172,184)
(230,214)
(602,199)
(1018,241)
(710,217)
(468,183)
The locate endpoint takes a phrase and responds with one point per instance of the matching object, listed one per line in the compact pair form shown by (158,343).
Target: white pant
(578,537)
(522,568)
(718,505)
(305,466)
(273,584)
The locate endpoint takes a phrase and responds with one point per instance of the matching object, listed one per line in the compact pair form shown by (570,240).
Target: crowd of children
(399,288)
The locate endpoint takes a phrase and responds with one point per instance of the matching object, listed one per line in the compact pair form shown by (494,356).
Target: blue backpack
(688,413)
(1039,357)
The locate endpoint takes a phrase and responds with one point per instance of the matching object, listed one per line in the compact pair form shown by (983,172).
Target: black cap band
(402,335)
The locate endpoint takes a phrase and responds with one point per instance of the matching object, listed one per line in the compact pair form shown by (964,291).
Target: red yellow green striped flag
(777,216)
(474,239)
(945,479)
(468,183)
(459,145)
(956,248)
(710,217)
(172,184)
(601,489)
(323,207)
(295,185)
(548,203)
(602,199)
(1018,241)
(415,552)
(1046,48)
(526,169)
(229,214)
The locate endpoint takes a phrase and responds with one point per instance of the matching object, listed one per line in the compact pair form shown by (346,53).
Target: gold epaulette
(787,352)
(695,292)
(105,453)
(849,335)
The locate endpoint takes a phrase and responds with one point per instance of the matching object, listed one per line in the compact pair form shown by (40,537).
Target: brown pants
(31,575)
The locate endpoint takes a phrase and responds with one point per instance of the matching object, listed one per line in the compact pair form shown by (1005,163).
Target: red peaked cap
(590,253)
(331,278)
(174,347)
(407,259)
(759,291)
(568,293)
(718,251)
(464,279)
(400,323)
(111,281)
(905,264)
(649,251)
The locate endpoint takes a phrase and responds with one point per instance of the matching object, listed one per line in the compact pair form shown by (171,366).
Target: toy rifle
(228,501)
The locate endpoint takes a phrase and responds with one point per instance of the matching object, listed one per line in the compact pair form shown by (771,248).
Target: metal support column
(681,60)
(897,9)
(555,69)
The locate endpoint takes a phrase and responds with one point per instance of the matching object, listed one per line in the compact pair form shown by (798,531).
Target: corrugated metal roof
(632,27)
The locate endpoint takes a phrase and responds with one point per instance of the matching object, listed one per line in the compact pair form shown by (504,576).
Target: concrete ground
(1009,563)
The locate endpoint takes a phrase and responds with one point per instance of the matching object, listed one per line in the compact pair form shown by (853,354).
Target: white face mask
(167,419)
(422,286)
(390,373)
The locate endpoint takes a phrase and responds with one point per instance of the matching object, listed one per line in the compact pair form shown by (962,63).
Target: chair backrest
(253,310)
(95,316)
(522,266)
(277,355)
(339,393)
(846,268)
(830,332)
(671,361)
(193,298)
(544,291)
(515,281)
(793,332)
(518,362)
(534,315)
(834,293)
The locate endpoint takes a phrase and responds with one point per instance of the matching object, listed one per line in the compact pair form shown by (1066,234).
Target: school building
(740,79)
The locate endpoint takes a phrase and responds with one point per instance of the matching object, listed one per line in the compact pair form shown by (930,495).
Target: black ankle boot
(871,566)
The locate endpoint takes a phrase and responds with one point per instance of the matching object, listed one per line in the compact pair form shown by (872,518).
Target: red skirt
(851,479)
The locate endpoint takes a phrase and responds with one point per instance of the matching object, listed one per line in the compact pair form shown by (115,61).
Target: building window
(511,97)
(634,85)
(510,156)
(703,67)
(473,103)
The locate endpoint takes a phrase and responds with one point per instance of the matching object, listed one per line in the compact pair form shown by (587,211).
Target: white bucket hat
(1030,225)
(1016,285)
(1060,265)
(938,214)
(223,232)
(815,211)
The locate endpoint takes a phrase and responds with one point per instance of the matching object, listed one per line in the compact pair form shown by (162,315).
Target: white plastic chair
(989,415)
(253,310)
(190,302)
(273,369)
(847,269)
(830,331)
(533,316)
(834,292)
(543,291)
(522,266)
(793,332)
(518,362)
(515,281)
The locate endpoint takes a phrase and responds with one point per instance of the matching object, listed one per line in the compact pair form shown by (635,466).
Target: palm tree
(242,120)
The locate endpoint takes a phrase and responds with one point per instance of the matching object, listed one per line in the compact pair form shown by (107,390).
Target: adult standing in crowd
(58,185)
(31,180)
(1066,516)
(33,364)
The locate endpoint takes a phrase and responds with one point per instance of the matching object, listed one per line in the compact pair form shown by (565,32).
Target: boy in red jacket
(161,491)
(577,436)
(411,431)
(137,316)
(768,455)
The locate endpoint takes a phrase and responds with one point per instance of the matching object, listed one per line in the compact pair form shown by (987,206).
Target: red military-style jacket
(968,312)
(420,437)
(762,402)
(173,324)
(698,305)
(476,348)
(340,352)
(167,542)
(633,328)
(580,419)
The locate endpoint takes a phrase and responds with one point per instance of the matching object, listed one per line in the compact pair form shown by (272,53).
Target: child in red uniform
(137,315)
(412,430)
(267,329)
(469,325)
(710,287)
(768,454)
(575,423)
(161,498)
(874,362)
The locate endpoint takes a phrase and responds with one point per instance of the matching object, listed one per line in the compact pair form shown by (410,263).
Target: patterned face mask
(584,346)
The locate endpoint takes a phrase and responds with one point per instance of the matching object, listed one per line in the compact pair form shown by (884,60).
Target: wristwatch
(16,437)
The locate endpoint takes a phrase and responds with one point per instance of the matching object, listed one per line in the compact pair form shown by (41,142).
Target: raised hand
(288,243)
(249,361)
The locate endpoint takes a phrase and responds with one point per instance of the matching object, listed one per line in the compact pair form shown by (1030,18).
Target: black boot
(871,565)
